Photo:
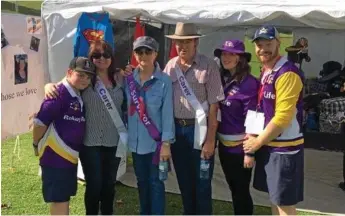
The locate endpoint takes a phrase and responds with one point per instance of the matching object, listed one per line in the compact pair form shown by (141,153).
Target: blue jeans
(100,167)
(196,193)
(151,189)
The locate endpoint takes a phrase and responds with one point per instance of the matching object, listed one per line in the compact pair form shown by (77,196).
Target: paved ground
(322,175)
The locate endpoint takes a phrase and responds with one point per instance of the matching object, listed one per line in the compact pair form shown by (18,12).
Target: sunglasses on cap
(99,55)
(143,51)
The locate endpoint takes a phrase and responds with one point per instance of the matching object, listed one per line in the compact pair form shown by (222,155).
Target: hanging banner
(23,67)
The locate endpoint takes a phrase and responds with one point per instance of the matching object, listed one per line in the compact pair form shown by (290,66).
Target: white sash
(200,130)
(52,139)
(236,137)
(115,116)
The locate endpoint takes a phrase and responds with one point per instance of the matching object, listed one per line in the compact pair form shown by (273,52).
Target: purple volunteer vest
(239,97)
(268,101)
(69,124)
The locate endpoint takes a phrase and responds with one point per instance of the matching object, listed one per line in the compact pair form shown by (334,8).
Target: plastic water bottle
(163,170)
(204,169)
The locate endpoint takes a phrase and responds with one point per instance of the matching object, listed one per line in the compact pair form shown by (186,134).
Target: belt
(185,122)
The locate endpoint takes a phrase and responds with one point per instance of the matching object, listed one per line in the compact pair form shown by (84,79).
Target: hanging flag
(173,51)
(139,31)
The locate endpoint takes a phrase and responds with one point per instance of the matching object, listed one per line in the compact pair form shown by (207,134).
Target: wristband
(35,145)
(249,154)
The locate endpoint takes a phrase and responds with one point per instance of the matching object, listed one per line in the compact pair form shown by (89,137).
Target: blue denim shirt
(157,95)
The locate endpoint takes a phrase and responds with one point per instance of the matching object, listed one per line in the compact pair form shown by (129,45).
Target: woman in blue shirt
(150,124)
(241,92)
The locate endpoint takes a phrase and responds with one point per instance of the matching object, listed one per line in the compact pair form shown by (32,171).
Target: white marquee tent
(323,23)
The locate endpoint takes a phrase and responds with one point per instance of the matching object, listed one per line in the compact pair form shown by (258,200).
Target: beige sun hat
(185,31)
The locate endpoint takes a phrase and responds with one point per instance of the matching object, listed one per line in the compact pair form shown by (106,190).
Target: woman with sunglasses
(240,90)
(150,124)
(97,156)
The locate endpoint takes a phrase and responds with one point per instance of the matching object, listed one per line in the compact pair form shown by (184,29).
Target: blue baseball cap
(146,41)
(267,32)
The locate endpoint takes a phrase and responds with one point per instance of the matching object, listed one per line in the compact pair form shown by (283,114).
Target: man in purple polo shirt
(58,134)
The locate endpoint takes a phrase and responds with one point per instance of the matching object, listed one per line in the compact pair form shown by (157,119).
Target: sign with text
(23,66)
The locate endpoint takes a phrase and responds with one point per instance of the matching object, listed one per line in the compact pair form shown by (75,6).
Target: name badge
(254,122)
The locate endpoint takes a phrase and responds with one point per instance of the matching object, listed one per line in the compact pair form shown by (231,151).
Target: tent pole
(144,21)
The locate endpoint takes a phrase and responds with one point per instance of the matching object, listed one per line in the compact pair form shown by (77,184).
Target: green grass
(21,188)
(24,7)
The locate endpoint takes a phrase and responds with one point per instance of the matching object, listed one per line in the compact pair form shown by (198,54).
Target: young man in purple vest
(279,144)
(58,134)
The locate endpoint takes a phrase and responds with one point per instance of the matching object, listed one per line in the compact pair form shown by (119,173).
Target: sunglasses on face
(99,55)
(144,51)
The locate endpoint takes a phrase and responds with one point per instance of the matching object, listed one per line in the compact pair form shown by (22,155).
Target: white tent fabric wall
(60,44)
(324,14)
(324,45)
(214,37)
(61,19)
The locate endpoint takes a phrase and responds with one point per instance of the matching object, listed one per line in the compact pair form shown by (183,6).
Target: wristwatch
(35,145)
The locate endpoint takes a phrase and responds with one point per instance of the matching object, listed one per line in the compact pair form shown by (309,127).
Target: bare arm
(212,123)
(38,132)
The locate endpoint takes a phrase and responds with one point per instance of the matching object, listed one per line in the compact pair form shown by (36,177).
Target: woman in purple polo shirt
(240,90)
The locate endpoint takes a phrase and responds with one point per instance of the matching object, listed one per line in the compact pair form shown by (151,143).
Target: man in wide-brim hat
(203,78)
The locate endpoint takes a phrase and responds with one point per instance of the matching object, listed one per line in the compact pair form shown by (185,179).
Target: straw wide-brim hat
(185,31)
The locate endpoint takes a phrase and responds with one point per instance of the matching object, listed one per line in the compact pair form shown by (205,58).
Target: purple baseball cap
(233,46)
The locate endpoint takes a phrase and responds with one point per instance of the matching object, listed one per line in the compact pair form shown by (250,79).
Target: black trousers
(238,179)
(100,167)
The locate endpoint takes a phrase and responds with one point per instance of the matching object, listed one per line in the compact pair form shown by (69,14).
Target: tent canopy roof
(328,14)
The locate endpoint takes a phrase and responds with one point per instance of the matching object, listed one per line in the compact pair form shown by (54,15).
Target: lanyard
(261,94)
(262,84)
